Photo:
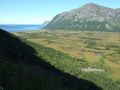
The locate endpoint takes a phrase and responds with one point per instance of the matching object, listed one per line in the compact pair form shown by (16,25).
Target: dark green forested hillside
(22,69)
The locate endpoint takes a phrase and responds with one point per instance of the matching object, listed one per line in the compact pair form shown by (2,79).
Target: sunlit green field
(97,48)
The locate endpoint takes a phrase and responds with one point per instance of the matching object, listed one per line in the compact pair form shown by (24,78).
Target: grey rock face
(88,16)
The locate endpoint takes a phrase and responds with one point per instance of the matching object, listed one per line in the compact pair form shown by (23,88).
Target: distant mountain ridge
(88,17)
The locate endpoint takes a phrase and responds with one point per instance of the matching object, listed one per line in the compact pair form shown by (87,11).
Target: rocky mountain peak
(88,16)
(90,5)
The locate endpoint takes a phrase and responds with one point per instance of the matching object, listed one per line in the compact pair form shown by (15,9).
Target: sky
(38,11)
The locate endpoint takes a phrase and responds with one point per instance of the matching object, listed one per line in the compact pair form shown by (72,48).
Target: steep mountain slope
(88,17)
(22,69)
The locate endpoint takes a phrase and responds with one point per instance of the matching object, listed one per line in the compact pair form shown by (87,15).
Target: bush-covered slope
(70,43)
(73,66)
(22,69)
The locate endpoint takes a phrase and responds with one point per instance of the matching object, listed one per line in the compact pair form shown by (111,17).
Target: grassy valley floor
(95,55)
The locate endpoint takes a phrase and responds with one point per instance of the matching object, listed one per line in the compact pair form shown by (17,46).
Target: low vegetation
(22,69)
(69,52)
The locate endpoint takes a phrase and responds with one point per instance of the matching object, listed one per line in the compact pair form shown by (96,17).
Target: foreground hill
(22,69)
(91,17)
(87,55)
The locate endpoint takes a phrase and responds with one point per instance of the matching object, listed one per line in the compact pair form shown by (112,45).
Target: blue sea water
(17,28)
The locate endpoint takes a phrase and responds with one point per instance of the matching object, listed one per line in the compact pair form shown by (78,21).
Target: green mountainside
(65,50)
(90,17)
(23,67)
